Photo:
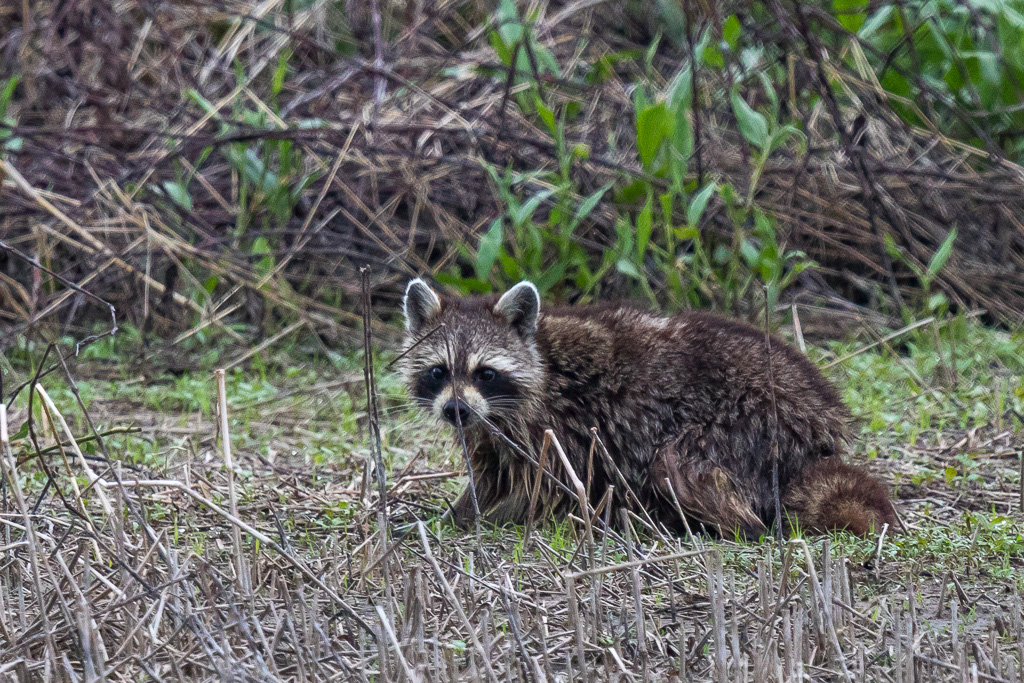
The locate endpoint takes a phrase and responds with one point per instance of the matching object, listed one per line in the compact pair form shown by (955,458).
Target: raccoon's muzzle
(456,411)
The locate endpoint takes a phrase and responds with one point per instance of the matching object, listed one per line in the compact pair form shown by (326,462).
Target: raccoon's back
(702,366)
(715,388)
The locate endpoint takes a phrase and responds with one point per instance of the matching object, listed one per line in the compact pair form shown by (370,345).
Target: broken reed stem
(716,593)
(542,460)
(576,623)
(52,411)
(450,593)
(390,633)
(241,567)
(8,464)
(581,491)
(522,656)
(372,411)
(376,444)
(631,564)
(638,604)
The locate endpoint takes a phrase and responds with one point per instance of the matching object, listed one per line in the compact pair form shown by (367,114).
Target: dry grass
(374,144)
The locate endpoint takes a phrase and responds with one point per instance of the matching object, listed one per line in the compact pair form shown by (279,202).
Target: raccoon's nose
(457,410)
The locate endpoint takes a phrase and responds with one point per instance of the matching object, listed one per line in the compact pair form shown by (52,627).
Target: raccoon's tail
(833,495)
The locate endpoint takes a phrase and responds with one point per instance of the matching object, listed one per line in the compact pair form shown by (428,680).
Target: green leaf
(547,116)
(644,223)
(652,50)
(697,205)
(680,89)
(588,205)
(850,13)
(500,48)
(890,246)
(750,253)
(671,12)
(22,432)
(652,126)
(640,102)
(631,193)
(277,82)
(525,212)
(627,267)
(785,133)
(262,248)
(178,193)
(550,276)
(937,302)
(950,475)
(875,22)
(753,125)
(509,26)
(7,93)
(713,57)
(490,246)
(682,131)
(941,255)
(731,29)
(468,285)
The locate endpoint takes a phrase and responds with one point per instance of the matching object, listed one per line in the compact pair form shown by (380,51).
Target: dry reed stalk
(454,601)
(385,623)
(716,589)
(539,471)
(638,605)
(581,493)
(371,395)
(241,566)
(35,555)
(576,624)
(252,531)
(825,607)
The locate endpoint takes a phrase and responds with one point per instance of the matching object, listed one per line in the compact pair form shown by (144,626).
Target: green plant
(526,244)
(659,241)
(8,141)
(957,56)
(933,303)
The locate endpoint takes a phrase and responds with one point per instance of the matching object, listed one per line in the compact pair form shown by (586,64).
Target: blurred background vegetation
(221,169)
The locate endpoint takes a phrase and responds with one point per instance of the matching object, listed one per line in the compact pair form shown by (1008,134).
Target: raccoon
(695,417)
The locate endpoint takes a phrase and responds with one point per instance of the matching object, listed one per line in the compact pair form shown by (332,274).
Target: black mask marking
(494,383)
(431,381)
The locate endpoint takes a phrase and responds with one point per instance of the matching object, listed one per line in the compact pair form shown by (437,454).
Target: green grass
(900,397)
(305,408)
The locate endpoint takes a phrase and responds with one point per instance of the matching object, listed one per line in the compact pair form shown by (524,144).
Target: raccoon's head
(474,358)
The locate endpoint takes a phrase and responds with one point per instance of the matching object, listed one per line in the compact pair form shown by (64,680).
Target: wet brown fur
(684,406)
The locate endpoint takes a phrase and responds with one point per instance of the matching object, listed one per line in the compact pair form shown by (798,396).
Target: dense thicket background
(233,165)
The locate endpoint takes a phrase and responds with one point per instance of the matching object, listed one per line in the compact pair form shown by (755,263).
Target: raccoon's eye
(487,375)
(437,372)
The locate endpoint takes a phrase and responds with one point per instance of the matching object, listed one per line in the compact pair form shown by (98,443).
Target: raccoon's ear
(520,306)
(421,304)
